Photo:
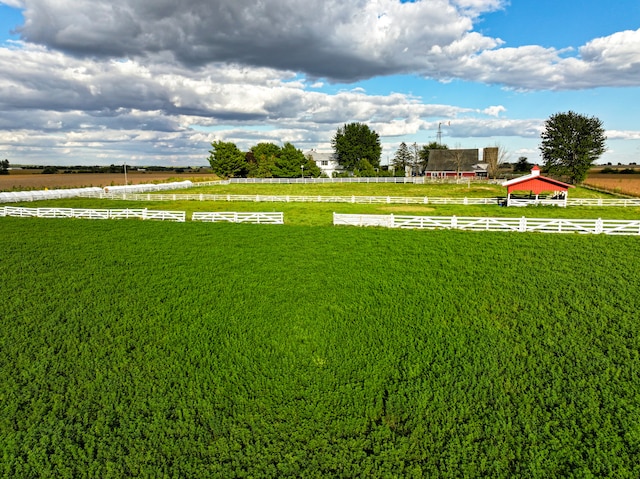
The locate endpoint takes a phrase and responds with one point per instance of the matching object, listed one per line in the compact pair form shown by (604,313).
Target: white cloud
(13,3)
(336,40)
(494,110)
(622,135)
(152,79)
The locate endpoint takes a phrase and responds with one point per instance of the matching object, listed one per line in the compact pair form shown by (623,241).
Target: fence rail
(236,217)
(144,214)
(523,224)
(303,199)
(406,200)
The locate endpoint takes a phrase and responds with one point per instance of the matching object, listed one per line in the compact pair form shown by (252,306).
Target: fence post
(465,201)
(454,222)
(599,226)
(523,225)
(392,222)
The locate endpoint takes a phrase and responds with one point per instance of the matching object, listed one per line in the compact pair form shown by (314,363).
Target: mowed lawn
(133,348)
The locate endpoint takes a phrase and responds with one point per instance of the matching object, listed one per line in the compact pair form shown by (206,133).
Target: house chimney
(535,171)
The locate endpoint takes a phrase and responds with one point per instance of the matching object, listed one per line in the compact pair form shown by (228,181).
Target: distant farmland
(626,184)
(35,180)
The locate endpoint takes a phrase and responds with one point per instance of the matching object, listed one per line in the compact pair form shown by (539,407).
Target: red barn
(534,189)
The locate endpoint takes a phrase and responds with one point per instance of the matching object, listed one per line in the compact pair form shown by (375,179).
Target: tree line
(264,160)
(570,144)
(356,148)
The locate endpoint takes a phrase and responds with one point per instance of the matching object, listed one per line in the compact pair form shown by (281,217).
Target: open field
(19,180)
(436,189)
(199,350)
(622,184)
(321,214)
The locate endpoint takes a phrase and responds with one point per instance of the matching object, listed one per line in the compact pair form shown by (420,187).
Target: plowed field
(39,181)
(624,184)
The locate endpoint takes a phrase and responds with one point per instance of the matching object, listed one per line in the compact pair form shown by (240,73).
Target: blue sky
(149,82)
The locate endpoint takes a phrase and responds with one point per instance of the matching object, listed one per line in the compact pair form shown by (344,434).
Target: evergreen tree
(354,143)
(402,158)
(227,160)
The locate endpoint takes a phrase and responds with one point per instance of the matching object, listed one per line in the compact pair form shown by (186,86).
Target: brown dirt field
(38,181)
(624,184)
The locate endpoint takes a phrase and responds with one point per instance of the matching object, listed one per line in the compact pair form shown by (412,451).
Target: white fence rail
(373,179)
(144,214)
(523,224)
(603,202)
(406,200)
(237,217)
(423,200)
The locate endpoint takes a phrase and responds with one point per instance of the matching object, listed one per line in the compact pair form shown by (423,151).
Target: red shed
(533,186)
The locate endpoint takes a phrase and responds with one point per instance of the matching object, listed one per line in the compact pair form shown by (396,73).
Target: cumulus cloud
(62,105)
(612,61)
(622,135)
(344,41)
(336,40)
(160,79)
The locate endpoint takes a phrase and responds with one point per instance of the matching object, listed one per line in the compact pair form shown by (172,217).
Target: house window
(324,163)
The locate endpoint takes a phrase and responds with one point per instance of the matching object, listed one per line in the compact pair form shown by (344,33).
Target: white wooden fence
(239,217)
(365,179)
(424,200)
(523,224)
(143,214)
(406,200)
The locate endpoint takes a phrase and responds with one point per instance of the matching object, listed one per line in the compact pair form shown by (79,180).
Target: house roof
(320,156)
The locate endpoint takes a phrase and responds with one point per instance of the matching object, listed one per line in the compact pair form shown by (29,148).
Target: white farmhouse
(327,162)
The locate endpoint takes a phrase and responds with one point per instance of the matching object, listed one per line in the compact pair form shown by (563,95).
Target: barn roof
(536,183)
(454,160)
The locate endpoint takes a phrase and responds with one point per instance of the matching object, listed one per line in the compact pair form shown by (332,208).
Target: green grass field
(449,190)
(152,349)
(320,214)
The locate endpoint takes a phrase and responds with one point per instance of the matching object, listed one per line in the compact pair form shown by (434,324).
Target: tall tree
(495,161)
(354,143)
(457,156)
(522,165)
(571,142)
(227,160)
(4,167)
(264,160)
(402,159)
(414,150)
(290,162)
